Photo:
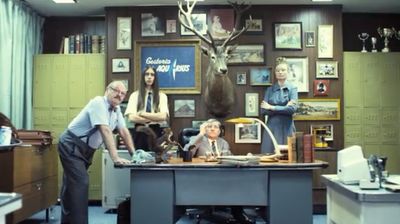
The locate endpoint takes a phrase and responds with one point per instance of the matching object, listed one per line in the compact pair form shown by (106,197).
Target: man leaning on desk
(209,142)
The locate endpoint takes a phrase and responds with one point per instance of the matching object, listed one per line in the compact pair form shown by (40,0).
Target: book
(299,147)
(307,148)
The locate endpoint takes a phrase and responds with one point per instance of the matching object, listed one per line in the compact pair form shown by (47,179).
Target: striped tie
(148,104)
(214,149)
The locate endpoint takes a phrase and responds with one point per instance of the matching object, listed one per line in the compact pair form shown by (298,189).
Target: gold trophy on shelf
(373,42)
(386,33)
(363,37)
(396,33)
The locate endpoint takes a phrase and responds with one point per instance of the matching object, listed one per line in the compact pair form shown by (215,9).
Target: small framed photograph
(251,102)
(260,76)
(327,127)
(318,109)
(247,55)
(120,65)
(124,33)
(171,26)
(184,108)
(325,41)
(321,87)
(255,25)
(326,70)
(248,133)
(288,36)
(221,22)
(197,123)
(309,38)
(241,78)
(124,81)
(152,25)
(298,72)
(199,22)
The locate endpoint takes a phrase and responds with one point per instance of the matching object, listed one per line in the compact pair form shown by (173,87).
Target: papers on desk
(392,183)
(239,160)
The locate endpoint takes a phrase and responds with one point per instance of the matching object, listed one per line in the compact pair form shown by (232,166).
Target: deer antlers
(186,20)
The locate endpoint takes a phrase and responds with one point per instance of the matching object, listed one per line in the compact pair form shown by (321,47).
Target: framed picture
(184,108)
(152,25)
(260,76)
(248,133)
(251,102)
(325,41)
(309,38)
(200,23)
(221,22)
(327,127)
(177,63)
(171,26)
(124,81)
(247,54)
(124,33)
(241,78)
(298,73)
(255,26)
(197,123)
(327,70)
(321,87)
(288,36)
(120,65)
(318,109)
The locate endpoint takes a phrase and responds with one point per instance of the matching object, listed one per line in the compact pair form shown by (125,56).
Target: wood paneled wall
(309,16)
(356,23)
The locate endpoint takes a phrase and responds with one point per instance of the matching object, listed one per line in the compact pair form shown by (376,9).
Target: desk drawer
(34,163)
(36,196)
(221,187)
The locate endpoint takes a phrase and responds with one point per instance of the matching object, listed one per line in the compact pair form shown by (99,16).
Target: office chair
(209,213)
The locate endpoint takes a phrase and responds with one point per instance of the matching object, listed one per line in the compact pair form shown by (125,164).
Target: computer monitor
(352,166)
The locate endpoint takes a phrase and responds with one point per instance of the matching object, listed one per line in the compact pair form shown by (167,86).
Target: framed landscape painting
(318,109)
(248,133)
(288,36)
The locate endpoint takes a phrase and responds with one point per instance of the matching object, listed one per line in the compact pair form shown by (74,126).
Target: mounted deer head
(219,92)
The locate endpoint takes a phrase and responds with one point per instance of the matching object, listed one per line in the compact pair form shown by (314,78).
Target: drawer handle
(39,186)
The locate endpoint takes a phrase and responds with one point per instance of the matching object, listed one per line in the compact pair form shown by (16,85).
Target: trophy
(373,42)
(386,33)
(363,37)
(396,34)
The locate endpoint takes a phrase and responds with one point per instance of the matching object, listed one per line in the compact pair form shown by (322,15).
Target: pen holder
(187,156)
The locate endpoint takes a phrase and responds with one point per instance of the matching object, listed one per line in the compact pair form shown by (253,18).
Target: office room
(211,111)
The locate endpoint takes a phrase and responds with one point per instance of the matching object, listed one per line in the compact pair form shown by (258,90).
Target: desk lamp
(250,120)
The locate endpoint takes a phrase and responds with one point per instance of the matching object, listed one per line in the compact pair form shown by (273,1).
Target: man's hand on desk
(121,161)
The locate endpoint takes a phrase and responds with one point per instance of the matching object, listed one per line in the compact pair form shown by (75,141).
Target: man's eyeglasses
(119,92)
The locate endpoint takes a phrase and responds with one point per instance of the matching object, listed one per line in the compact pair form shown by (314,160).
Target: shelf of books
(83,44)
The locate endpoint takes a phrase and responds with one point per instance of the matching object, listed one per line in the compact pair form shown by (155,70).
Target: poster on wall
(177,64)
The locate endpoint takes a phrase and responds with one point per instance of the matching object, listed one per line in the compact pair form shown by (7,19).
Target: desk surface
(197,163)
(354,191)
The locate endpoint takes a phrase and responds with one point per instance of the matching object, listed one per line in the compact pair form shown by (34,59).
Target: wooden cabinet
(319,189)
(32,172)
(63,85)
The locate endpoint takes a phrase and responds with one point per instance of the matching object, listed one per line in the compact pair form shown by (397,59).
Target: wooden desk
(158,189)
(350,204)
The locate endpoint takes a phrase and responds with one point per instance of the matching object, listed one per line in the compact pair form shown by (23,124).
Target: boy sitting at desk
(208,142)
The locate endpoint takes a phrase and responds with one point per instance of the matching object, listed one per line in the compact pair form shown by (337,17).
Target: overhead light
(65,1)
(321,0)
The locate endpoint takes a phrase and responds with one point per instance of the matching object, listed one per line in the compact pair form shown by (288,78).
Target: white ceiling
(96,7)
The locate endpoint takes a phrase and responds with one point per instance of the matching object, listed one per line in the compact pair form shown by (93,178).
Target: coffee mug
(187,156)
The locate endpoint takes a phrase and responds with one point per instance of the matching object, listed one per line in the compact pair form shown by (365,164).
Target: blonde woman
(280,103)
